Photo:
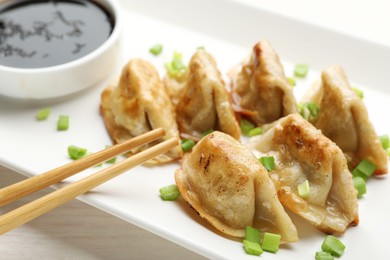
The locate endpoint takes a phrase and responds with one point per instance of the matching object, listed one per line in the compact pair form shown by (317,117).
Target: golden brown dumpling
(137,105)
(344,119)
(301,153)
(204,102)
(260,86)
(223,181)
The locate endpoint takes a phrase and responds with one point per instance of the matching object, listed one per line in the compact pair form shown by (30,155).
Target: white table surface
(79,231)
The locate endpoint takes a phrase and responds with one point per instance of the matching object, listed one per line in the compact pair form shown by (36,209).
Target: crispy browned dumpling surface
(137,105)
(225,183)
(204,102)
(302,153)
(260,85)
(344,119)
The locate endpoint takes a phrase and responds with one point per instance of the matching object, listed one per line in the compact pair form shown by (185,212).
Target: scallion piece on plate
(291,81)
(309,110)
(360,186)
(187,144)
(252,248)
(76,152)
(270,242)
(63,123)
(112,160)
(173,73)
(314,109)
(304,189)
(364,169)
(200,48)
(333,246)
(301,70)
(170,192)
(156,49)
(268,162)
(175,68)
(252,234)
(385,141)
(358,92)
(246,126)
(43,114)
(178,64)
(323,256)
(255,131)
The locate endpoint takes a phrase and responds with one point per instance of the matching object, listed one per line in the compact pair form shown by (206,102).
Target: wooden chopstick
(38,182)
(46,203)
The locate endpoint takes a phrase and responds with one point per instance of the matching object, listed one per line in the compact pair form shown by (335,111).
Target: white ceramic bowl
(67,78)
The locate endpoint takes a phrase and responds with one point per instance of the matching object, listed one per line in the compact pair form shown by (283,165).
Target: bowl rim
(112,38)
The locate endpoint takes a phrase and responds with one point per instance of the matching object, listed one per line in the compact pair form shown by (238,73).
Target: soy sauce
(43,33)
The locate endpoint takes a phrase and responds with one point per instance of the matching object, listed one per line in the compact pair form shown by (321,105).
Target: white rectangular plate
(227,30)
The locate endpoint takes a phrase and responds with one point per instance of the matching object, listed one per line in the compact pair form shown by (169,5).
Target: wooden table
(79,231)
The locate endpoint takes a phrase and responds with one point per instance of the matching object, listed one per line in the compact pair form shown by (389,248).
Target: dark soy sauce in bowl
(44,33)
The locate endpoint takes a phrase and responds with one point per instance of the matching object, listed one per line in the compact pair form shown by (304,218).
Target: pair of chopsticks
(52,200)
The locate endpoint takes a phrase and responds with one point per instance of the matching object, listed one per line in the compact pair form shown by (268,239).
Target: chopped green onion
(43,114)
(187,144)
(170,192)
(358,92)
(304,189)
(63,123)
(178,64)
(177,55)
(268,162)
(364,169)
(360,186)
(333,246)
(323,256)
(291,81)
(252,248)
(175,68)
(173,73)
(76,152)
(313,108)
(252,234)
(270,242)
(246,126)
(309,110)
(385,141)
(200,48)
(255,131)
(112,160)
(156,49)
(207,132)
(301,70)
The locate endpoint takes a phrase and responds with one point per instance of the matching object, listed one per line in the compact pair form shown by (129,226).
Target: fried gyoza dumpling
(301,152)
(137,105)
(344,119)
(260,86)
(223,181)
(204,102)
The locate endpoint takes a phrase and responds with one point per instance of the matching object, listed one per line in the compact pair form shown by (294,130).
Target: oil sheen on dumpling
(344,119)
(204,102)
(301,153)
(137,105)
(223,181)
(260,86)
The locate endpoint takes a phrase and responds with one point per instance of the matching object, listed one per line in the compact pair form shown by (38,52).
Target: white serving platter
(227,30)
